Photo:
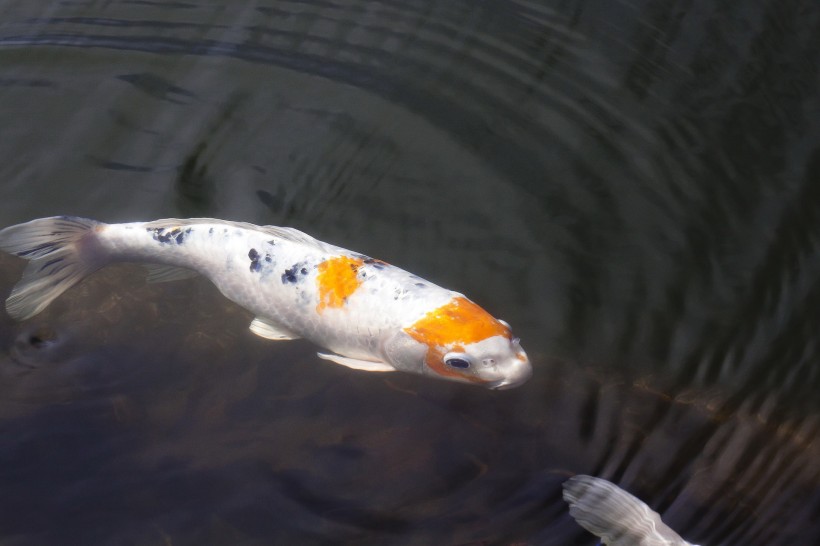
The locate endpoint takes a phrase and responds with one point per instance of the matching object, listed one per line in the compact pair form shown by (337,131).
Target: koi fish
(368,314)
(618,518)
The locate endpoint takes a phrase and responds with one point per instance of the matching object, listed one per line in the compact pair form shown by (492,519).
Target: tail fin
(55,248)
(618,518)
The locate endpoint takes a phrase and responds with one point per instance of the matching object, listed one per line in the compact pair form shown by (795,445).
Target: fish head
(460,341)
(496,362)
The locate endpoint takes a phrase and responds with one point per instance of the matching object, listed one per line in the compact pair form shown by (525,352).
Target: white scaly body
(284,290)
(372,315)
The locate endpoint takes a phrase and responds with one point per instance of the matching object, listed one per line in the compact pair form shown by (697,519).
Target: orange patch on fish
(459,322)
(338,278)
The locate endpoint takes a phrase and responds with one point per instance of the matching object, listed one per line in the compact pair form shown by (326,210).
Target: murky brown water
(633,186)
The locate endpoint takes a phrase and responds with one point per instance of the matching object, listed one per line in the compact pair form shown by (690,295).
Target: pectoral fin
(270,330)
(357,364)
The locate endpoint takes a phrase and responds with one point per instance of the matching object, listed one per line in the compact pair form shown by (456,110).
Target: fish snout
(516,373)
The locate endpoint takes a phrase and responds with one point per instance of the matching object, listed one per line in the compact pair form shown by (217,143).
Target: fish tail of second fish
(617,517)
(61,251)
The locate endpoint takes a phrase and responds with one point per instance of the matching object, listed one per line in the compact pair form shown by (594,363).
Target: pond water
(634,186)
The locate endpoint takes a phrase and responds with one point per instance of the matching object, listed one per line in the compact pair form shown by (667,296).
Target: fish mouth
(518,376)
(506,384)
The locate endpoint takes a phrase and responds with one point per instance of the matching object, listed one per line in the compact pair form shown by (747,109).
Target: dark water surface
(635,186)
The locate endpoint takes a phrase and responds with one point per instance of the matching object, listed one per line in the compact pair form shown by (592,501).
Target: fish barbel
(368,314)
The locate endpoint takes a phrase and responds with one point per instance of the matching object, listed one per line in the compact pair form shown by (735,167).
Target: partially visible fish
(618,518)
(371,315)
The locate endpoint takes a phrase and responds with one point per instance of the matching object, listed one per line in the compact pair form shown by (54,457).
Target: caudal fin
(60,256)
(618,518)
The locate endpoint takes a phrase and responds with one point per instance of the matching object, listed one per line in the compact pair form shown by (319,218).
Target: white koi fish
(371,315)
(618,518)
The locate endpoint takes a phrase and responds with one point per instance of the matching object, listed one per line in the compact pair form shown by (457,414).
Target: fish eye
(457,363)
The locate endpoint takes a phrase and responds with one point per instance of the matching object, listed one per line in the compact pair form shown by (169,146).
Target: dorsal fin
(287,233)
(295,236)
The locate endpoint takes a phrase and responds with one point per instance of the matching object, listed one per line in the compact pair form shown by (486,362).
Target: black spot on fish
(254,256)
(162,236)
(377,264)
(421,285)
(210,231)
(272,242)
(289,276)
(292,275)
(256,260)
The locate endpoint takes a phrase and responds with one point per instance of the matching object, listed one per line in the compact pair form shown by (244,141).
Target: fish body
(369,314)
(617,517)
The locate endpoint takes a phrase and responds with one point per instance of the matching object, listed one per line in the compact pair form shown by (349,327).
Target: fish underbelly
(338,330)
(350,336)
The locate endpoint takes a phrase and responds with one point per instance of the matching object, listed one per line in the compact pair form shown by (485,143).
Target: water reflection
(631,186)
